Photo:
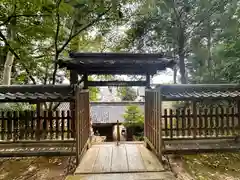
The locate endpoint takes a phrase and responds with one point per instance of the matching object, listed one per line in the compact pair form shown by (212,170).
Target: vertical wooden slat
(50,119)
(3,127)
(194,120)
(171,123)
(46,126)
(69,129)
(9,125)
(227,121)
(38,128)
(62,125)
(177,122)
(183,122)
(232,121)
(166,130)
(222,127)
(205,129)
(199,122)
(57,124)
(237,129)
(189,125)
(15,125)
(33,122)
(217,121)
(211,133)
(26,123)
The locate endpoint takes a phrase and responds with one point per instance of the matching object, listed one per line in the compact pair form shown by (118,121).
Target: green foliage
(93,91)
(45,30)
(17,107)
(133,116)
(127,93)
(213,166)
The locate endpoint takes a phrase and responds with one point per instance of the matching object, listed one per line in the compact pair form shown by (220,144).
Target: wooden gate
(82,117)
(152,123)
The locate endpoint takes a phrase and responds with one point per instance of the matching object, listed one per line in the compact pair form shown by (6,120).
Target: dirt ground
(207,166)
(36,168)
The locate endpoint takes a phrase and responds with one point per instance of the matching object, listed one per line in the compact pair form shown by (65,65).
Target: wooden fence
(200,124)
(152,125)
(26,125)
(82,122)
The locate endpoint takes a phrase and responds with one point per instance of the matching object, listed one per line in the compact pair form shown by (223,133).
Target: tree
(37,33)
(170,26)
(127,93)
(133,116)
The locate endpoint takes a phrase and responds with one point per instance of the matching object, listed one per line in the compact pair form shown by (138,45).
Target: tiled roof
(199,91)
(110,112)
(106,112)
(30,93)
(116,63)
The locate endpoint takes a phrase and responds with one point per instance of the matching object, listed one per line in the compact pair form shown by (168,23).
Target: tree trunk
(209,44)
(175,75)
(7,71)
(175,67)
(182,69)
(181,54)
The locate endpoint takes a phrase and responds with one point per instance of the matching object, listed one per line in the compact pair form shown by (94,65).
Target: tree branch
(17,57)
(71,36)
(9,18)
(56,41)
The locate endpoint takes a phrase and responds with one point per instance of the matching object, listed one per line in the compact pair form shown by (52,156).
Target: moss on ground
(213,166)
(33,168)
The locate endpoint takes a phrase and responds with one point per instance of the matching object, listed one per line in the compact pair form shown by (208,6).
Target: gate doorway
(86,64)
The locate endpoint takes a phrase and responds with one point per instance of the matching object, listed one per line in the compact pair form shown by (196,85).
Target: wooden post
(73,81)
(77,118)
(146,119)
(194,105)
(118,133)
(38,121)
(238,126)
(148,81)
(159,123)
(85,81)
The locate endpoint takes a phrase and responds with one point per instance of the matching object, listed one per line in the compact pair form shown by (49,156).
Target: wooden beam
(115,72)
(148,81)
(116,56)
(85,81)
(116,83)
(73,77)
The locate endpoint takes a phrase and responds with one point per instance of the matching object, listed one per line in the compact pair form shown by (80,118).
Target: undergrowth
(213,166)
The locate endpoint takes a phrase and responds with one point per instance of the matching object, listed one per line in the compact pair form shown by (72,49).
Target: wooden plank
(103,161)
(135,162)
(150,161)
(88,161)
(119,159)
(128,176)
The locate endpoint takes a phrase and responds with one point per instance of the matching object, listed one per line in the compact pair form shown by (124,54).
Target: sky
(161,78)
